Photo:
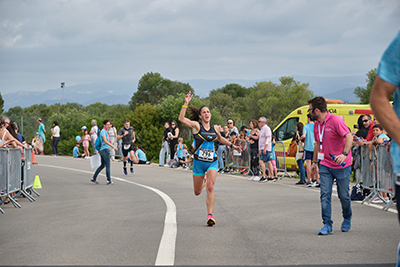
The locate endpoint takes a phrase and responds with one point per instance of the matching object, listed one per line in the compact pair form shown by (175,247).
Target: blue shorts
(265,157)
(201,167)
(308,155)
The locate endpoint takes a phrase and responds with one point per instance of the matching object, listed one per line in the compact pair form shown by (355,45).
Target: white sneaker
(377,200)
(251,178)
(256,178)
(166,165)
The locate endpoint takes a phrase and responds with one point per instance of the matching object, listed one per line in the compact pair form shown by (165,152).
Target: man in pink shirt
(333,151)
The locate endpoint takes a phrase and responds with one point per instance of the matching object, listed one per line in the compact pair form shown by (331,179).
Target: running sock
(131,163)
(124,163)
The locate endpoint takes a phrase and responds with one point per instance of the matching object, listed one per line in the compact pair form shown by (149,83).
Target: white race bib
(206,155)
(321,155)
(126,147)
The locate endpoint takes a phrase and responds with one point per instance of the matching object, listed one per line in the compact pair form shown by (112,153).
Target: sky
(45,42)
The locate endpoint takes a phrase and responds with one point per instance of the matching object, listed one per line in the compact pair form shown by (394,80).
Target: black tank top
(205,145)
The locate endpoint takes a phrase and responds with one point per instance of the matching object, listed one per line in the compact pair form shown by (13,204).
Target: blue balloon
(78,138)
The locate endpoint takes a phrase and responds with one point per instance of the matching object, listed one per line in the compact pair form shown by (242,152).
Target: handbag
(292,149)
(95,161)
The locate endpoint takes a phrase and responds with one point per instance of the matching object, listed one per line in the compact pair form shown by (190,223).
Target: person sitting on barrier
(38,146)
(7,138)
(75,151)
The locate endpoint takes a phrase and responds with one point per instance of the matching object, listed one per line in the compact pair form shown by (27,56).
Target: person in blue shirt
(386,83)
(308,134)
(75,151)
(140,154)
(104,152)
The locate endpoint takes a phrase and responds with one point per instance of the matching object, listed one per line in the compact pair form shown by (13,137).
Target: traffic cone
(33,157)
(36,183)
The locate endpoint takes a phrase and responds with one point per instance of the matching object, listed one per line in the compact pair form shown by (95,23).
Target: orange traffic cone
(33,157)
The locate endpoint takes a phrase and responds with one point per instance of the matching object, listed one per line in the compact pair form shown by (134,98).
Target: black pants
(255,164)
(54,145)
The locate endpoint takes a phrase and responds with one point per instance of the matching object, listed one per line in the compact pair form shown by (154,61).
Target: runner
(127,134)
(205,158)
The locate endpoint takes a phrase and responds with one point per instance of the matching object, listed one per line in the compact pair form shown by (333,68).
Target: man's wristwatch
(345,153)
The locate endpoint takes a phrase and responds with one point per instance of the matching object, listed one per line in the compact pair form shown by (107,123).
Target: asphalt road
(152,217)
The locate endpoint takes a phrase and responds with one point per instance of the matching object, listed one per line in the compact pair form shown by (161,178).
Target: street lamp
(62,86)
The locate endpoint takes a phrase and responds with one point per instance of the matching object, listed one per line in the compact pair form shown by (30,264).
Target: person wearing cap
(41,131)
(232,127)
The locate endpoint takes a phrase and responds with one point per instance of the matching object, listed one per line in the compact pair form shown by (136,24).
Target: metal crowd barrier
(379,178)
(16,175)
(279,167)
(238,160)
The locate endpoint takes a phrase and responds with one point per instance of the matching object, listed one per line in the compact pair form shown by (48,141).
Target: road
(152,217)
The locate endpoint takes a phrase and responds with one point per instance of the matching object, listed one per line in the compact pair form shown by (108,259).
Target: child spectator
(140,154)
(273,161)
(85,143)
(179,149)
(75,151)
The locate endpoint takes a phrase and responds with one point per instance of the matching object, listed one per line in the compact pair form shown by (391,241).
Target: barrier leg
(34,191)
(25,194)
(15,203)
(1,210)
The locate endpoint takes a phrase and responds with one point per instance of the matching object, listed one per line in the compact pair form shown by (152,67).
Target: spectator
(55,131)
(226,131)
(179,149)
(308,137)
(362,131)
(41,131)
(162,160)
(112,132)
(264,149)
(244,130)
(93,135)
(232,127)
(6,138)
(220,151)
(21,139)
(386,83)
(298,137)
(332,136)
(253,140)
(368,124)
(127,134)
(75,151)
(85,143)
(104,154)
(141,157)
(173,137)
(38,146)
(273,160)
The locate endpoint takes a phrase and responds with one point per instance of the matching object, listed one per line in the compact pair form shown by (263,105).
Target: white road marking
(166,250)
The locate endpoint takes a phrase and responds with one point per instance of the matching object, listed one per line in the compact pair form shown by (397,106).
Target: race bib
(321,155)
(126,147)
(206,155)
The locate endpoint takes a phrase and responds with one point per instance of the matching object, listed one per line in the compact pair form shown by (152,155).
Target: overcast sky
(45,42)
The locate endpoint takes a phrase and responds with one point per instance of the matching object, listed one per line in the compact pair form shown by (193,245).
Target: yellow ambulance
(286,129)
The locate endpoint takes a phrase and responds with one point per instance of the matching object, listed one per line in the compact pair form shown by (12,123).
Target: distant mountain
(120,92)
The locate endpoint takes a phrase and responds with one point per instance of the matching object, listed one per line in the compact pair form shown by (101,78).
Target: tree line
(158,100)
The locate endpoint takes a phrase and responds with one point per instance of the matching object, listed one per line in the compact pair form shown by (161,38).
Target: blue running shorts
(201,167)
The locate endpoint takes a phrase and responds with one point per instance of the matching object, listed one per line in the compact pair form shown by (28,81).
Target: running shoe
(132,171)
(110,182)
(346,224)
(270,179)
(275,179)
(326,230)
(256,178)
(308,184)
(125,171)
(94,181)
(210,220)
(300,182)
(263,180)
(251,178)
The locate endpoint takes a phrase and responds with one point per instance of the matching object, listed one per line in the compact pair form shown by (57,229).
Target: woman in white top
(6,139)
(55,138)
(112,132)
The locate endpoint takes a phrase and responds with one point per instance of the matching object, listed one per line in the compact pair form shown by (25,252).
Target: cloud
(86,41)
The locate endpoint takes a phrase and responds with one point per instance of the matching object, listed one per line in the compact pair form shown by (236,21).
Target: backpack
(356,193)
(97,143)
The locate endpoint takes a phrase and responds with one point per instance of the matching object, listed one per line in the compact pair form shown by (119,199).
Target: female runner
(205,157)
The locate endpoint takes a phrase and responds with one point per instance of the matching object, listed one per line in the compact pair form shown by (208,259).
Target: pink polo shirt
(333,129)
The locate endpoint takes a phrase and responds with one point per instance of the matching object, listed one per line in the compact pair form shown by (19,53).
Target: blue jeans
(161,158)
(94,145)
(221,149)
(327,175)
(105,162)
(302,170)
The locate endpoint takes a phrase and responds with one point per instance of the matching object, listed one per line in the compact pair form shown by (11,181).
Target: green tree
(233,89)
(364,93)
(1,104)
(152,88)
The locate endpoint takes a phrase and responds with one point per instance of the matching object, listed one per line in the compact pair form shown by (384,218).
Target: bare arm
(224,141)
(379,100)
(108,143)
(194,125)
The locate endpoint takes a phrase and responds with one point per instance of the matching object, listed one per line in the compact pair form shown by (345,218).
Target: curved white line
(166,250)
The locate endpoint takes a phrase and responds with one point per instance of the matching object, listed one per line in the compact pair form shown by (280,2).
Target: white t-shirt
(56,131)
(94,135)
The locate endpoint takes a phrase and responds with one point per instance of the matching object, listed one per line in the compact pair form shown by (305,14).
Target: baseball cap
(84,128)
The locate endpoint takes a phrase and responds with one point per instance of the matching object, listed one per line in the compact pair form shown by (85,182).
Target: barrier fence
(377,174)
(242,163)
(16,175)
